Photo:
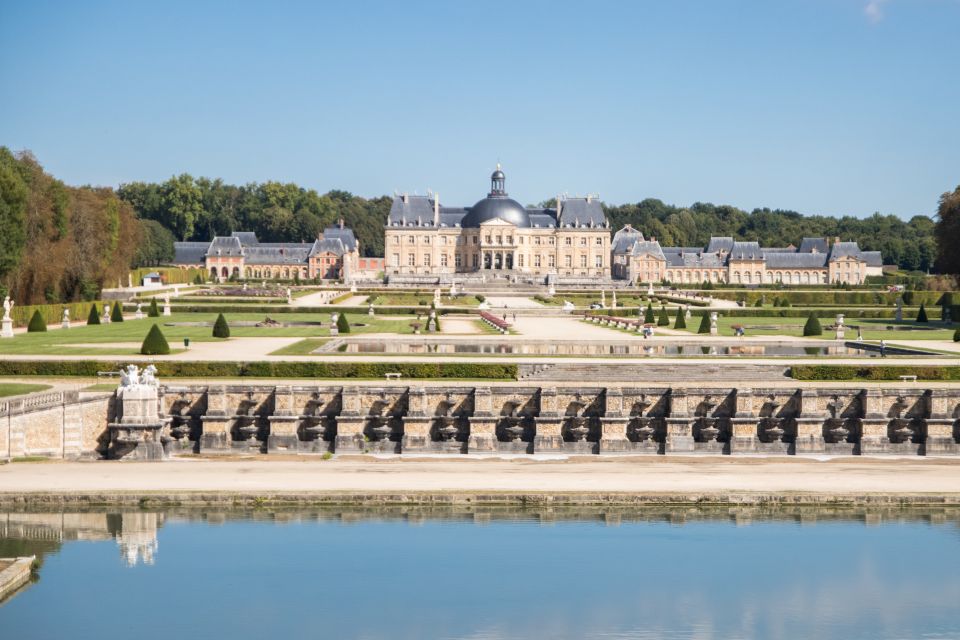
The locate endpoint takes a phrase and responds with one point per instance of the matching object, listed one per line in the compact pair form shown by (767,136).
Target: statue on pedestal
(65,319)
(7,328)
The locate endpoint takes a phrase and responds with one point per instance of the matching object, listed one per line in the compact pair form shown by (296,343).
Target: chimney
(836,239)
(436,209)
(405,198)
(653,238)
(559,204)
(341,223)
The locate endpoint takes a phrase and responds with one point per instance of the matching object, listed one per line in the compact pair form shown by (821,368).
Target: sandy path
(660,475)
(497,303)
(459,326)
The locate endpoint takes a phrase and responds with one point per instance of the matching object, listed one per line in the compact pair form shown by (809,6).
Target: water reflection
(405,572)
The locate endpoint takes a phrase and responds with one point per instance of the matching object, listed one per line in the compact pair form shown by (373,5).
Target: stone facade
(334,255)
(496,236)
(308,419)
(723,260)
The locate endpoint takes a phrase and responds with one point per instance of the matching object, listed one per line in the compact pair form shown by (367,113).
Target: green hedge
(828,297)
(865,372)
(325,370)
(52,313)
(169,275)
(789,312)
(286,308)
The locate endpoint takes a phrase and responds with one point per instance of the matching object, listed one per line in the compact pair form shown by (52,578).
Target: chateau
(725,260)
(496,236)
(334,255)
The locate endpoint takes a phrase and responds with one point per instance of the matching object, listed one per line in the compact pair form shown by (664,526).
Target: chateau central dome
(497,206)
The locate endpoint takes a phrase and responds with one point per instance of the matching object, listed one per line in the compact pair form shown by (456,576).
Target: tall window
(426,260)
(536,260)
(599,261)
(395,260)
(551,260)
(583,261)
(457,260)
(568,261)
(568,241)
(583,242)
(411,260)
(599,240)
(443,259)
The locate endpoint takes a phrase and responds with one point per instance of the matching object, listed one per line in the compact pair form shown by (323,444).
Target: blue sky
(822,106)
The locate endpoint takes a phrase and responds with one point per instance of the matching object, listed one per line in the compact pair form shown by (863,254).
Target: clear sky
(822,106)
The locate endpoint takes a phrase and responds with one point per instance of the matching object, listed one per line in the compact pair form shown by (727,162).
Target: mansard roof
(225,246)
(695,259)
(335,246)
(625,239)
(872,258)
(648,248)
(791,260)
(189,252)
(585,212)
(344,235)
(246,238)
(720,243)
(844,249)
(746,251)
(813,245)
(278,253)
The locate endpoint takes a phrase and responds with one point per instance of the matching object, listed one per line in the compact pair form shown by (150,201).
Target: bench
(908,378)
(392,376)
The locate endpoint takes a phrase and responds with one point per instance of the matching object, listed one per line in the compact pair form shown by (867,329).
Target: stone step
(570,372)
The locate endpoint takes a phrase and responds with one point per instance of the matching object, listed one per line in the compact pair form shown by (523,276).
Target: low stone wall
(497,419)
(15,575)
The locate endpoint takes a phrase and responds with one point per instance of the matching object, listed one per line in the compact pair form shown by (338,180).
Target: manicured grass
(302,348)
(132,332)
(414,300)
(873,329)
(19,388)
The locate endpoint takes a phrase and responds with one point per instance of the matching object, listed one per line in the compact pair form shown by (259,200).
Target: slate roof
(844,249)
(343,234)
(791,260)
(189,252)
(746,251)
(328,245)
(577,212)
(720,243)
(872,258)
(276,253)
(648,247)
(810,245)
(625,239)
(247,238)
(695,259)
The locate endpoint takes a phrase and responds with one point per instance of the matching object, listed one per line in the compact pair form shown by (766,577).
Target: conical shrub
(956,335)
(922,314)
(704,324)
(648,314)
(155,344)
(664,319)
(343,326)
(37,322)
(94,317)
(681,322)
(220,328)
(153,312)
(116,314)
(812,327)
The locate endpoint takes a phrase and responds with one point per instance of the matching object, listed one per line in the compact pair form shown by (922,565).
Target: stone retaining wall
(496,419)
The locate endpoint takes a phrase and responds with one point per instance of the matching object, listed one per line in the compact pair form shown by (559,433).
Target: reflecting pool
(723,573)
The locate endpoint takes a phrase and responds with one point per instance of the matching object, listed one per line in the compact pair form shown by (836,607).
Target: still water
(321,574)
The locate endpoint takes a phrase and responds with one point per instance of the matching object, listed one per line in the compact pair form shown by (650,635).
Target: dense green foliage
(648,316)
(321,370)
(36,322)
(155,344)
(812,327)
(220,328)
(664,319)
(116,314)
(868,372)
(153,311)
(94,316)
(922,314)
(704,324)
(680,322)
(909,244)
(948,233)
(52,313)
(155,247)
(59,243)
(956,335)
(201,208)
(343,325)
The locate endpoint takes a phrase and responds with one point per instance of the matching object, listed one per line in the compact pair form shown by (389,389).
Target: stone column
(679,424)
(810,422)
(215,437)
(283,422)
(483,423)
(416,423)
(743,424)
(349,422)
(548,423)
(874,437)
(941,423)
(614,422)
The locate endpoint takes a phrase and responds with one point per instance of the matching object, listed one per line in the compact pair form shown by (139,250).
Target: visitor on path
(859,335)
(883,349)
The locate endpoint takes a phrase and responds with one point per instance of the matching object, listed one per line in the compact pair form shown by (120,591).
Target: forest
(60,243)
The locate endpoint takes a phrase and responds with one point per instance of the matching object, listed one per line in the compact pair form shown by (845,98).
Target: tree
(155,344)
(116,315)
(13,205)
(648,317)
(153,311)
(664,319)
(922,314)
(947,232)
(182,201)
(155,246)
(680,322)
(812,327)
(37,323)
(704,323)
(94,316)
(343,326)
(220,328)
(956,335)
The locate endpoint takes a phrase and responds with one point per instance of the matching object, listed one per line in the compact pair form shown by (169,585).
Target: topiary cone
(155,344)
(343,326)
(220,328)
(94,317)
(680,322)
(116,315)
(153,312)
(37,322)
(812,327)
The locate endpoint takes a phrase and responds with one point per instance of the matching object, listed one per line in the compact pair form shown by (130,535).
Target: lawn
(302,348)
(873,329)
(111,336)
(8,389)
(422,300)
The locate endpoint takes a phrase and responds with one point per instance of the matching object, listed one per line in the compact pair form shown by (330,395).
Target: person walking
(883,349)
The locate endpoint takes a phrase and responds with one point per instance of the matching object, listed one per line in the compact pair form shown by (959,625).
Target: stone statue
(613,300)
(713,323)
(149,376)
(139,314)
(686,314)
(65,318)
(899,317)
(130,377)
(7,307)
